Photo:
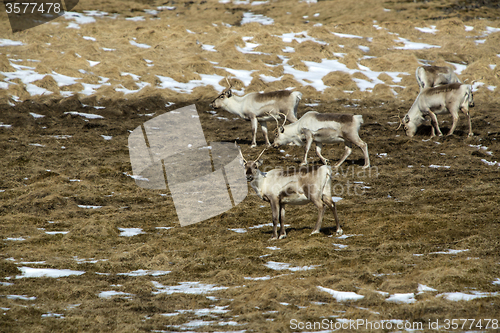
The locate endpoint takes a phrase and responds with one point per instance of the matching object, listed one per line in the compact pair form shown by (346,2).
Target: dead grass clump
(48,83)
(136,62)
(8,268)
(479,70)
(270,53)
(129,83)
(229,278)
(449,278)
(106,93)
(350,60)
(236,62)
(42,69)
(454,26)
(311,51)
(266,38)
(205,93)
(69,63)
(5,64)
(18,90)
(92,229)
(340,79)
(144,251)
(383,92)
(296,63)
(108,69)
(228,45)
(198,64)
(72,87)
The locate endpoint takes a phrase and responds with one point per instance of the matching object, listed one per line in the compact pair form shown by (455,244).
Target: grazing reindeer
(296,188)
(324,128)
(433,76)
(448,98)
(259,107)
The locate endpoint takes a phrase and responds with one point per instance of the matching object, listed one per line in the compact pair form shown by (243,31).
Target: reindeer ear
(259,163)
(229,93)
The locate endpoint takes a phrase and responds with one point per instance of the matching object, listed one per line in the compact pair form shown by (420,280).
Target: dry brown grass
(399,226)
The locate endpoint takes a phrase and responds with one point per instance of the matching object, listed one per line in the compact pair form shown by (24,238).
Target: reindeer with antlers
(259,107)
(323,128)
(296,188)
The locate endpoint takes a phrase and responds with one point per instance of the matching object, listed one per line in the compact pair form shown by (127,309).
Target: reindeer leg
(467,113)
(330,203)
(348,150)
(263,125)
(321,212)
(454,116)
(282,222)
(309,141)
(275,207)
(434,123)
(254,131)
(319,145)
(364,147)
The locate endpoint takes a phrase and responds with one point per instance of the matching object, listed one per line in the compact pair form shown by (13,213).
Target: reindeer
(296,188)
(447,98)
(433,76)
(259,107)
(323,128)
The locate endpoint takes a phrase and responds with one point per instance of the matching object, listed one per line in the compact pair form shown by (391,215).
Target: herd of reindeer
(440,91)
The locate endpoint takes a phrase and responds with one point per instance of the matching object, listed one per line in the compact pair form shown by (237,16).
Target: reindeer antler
(260,154)
(275,118)
(400,121)
(229,86)
(284,115)
(241,154)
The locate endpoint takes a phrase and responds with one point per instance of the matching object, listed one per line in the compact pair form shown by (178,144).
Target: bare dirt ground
(425,214)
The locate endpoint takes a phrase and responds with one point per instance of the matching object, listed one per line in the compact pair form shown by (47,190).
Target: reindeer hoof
(340,232)
(273,238)
(365,166)
(253,145)
(303,164)
(314,232)
(470,134)
(282,236)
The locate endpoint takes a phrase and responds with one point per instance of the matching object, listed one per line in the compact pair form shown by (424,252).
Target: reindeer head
(251,167)
(409,125)
(279,131)
(220,100)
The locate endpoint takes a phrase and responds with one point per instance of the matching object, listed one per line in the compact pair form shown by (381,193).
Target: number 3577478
(33,7)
